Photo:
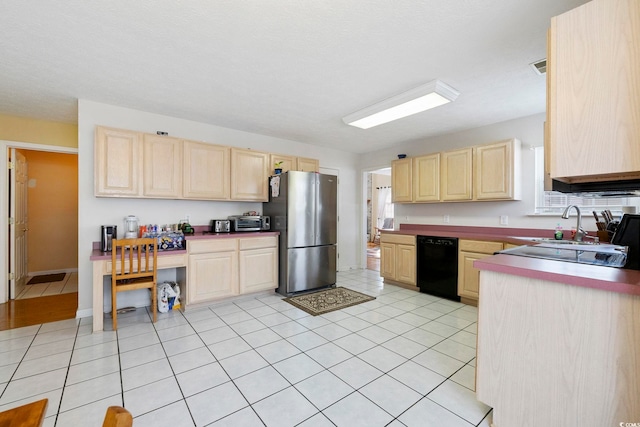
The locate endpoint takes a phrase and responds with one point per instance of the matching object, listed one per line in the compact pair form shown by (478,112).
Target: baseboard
(87,312)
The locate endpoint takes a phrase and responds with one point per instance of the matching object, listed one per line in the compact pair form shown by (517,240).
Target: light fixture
(430,95)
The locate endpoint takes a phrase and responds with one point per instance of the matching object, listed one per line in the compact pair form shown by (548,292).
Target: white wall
(93,211)
(529,130)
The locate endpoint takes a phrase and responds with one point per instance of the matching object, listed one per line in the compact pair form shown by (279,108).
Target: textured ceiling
(284,68)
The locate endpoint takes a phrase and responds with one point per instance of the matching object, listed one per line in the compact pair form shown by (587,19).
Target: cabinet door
(594,88)
(162,159)
(426,178)
(249,175)
(406,264)
(494,171)
(456,175)
(468,275)
(211,276)
(206,170)
(388,260)
(401,182)
(307,165)
(117,163)
(288,162)
(258,270)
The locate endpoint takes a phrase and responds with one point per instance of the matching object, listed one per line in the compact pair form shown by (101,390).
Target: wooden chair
(133,267)
(29,415)
(117,416)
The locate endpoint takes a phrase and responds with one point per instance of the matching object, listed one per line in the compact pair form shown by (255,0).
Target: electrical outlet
(445,219)
(504,220)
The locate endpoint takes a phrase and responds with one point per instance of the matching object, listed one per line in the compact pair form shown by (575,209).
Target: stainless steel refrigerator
(304,212)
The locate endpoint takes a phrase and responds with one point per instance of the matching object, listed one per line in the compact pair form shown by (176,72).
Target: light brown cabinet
(456,175)
(292,163)
(593,75)
(219,268)
(117,163)
(401,180)
(258,268)
(212,271)
(469,276)
(426,178)
(398,258)
(496,171)
(305,164)
(206,171)
(249,175)
(162,166)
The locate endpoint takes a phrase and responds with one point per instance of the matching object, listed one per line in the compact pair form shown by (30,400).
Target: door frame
(363,215)
(4,202)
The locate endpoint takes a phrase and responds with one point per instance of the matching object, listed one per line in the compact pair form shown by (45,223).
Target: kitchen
(94,212)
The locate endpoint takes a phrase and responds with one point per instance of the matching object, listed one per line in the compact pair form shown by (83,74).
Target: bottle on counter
(558,234)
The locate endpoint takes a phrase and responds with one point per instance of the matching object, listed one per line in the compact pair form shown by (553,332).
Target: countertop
(98,255)
(591,276)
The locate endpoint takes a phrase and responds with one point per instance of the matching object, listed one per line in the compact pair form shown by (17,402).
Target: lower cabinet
(258,264)
(398,258)
(225,267)
(468,275)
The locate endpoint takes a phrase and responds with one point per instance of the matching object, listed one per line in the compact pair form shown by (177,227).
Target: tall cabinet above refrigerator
(303,208)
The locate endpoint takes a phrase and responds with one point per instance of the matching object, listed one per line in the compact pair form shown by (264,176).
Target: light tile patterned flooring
(68,285)
(404,359)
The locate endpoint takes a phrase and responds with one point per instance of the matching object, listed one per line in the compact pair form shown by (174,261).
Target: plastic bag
(165,292)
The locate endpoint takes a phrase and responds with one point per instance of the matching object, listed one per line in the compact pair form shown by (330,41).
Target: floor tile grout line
(21,360)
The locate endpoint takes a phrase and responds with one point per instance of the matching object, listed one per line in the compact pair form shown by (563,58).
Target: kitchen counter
(558,342)
(514,236)
(166,259)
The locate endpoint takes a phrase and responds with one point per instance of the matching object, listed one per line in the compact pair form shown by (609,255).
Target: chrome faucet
(580,233)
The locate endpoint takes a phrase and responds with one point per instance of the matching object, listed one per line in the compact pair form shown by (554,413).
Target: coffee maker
(107,234)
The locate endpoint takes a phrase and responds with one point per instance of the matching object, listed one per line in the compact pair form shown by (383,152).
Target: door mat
(46,278)
(328,300)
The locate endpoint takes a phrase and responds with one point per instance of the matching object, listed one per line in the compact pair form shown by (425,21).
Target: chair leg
(114,311)
(154,303)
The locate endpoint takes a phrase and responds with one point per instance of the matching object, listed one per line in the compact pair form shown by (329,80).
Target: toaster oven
(250,223)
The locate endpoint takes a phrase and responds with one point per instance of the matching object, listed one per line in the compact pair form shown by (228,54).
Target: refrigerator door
(310,268)
(326,214)
(300,190)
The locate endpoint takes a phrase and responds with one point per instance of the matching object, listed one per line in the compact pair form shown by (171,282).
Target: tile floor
(68,285)
(404,359)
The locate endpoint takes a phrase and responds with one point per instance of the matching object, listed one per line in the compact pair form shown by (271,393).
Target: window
(555,202)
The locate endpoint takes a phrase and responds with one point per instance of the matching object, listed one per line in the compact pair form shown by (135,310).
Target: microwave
(250,223)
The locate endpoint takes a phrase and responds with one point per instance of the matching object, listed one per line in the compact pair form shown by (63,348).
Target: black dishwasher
(437,266)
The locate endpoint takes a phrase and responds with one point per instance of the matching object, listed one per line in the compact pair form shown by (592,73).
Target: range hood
(626,188)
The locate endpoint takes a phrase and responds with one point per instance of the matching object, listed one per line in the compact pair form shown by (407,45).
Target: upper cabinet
(593,93)
(305,164)
(401,180)
(482,172)
(456,175)
(426,178)
(495,167)
(117,163)
(206,171)
(291,163)
(162,166)
(141,165)
(249,175)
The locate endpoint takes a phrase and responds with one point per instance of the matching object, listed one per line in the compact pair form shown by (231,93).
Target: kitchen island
(558,343)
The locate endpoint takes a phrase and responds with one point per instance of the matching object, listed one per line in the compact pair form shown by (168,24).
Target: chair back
(134,258)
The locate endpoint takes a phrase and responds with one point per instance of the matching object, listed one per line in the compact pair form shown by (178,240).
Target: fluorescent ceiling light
(430,95)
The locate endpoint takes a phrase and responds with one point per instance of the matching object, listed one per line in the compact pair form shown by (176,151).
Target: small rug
(328,300)
(46,278)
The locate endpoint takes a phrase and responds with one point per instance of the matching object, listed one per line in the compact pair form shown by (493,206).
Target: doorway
(379,213)
(51,236)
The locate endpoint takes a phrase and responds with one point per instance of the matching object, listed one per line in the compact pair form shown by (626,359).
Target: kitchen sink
(605,255)
(549,240)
